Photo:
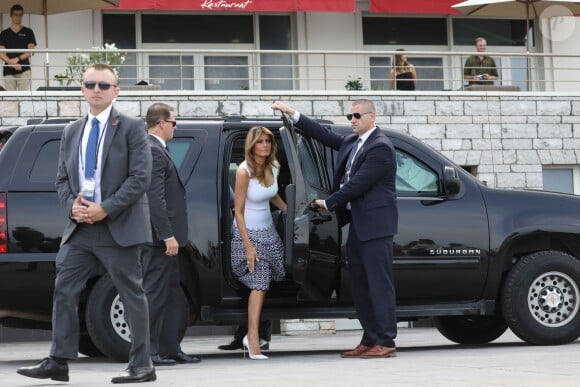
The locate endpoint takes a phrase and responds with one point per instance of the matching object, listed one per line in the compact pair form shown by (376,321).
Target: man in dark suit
(167,206)
(103,175)
(364,192)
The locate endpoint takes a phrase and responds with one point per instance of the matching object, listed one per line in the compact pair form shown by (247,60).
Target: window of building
(120,29)
(197,28)
(226,73)
(497,32)
(404,31)
(429,73)
(275,69)
(171,72)
(562,179)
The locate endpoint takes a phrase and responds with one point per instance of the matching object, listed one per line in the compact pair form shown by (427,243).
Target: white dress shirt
(103,118)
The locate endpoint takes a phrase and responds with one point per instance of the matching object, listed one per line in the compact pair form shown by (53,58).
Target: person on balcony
(403,75)
(480,69)
(17,72)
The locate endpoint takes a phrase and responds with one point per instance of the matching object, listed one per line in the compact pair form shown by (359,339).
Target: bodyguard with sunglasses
(168,210)
(364,191)
(103,175)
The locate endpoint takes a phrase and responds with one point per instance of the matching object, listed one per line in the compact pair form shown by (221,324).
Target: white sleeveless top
(257,210)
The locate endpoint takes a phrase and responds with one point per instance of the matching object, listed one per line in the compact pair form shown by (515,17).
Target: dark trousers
(167,304)
(370,265)
(89,249)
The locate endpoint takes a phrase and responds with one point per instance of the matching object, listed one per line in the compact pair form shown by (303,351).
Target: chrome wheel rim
(553,299)
(118,322)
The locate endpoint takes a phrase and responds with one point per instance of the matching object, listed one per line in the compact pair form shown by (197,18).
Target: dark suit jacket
(125,177)
(371,189)
(166,196)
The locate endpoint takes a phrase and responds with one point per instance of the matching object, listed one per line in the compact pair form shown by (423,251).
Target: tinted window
(120,29)
(180,147)
(197,28)
(496,32)
(45,166)
(404,31)
(414,177)
(310,170)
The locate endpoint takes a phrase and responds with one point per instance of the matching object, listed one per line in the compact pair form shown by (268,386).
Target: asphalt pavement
(425,358)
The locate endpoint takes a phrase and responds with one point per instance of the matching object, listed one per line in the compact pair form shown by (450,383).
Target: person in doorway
(480,69)
(104,170)
(168,210)
(17,73)
(265,327)
(403,75)
(256,248)
(364,194)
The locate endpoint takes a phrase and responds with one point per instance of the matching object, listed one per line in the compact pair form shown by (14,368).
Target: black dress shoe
(46,369)
(136,375)
(237,344)
(183,358)
(162,361)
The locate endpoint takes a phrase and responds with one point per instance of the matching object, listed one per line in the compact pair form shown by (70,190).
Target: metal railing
(287,70)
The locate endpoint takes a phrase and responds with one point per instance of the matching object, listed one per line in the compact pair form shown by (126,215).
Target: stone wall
(506,137)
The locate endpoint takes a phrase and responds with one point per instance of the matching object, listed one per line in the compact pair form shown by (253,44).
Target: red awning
(440,7)
(240,5)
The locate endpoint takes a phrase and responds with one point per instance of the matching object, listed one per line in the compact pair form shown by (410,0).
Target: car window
(309,165)
(46,163)
(413,176)
(180,147)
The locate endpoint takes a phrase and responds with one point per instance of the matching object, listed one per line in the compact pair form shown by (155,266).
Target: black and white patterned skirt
(270,266)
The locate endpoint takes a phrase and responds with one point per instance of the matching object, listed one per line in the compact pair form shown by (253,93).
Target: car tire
(471,329)
(541,298)
(87,347)
(105,321)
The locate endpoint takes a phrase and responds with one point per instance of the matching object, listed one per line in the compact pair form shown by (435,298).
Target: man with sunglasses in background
(104,171)
(364,194)
(17,72)
(168,306)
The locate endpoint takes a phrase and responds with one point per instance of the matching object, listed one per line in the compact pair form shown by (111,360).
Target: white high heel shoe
(246,345)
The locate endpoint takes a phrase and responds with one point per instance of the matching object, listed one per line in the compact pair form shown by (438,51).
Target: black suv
(476,259)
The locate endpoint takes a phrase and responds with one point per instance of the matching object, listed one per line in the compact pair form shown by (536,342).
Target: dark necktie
(91,150)
(350,160)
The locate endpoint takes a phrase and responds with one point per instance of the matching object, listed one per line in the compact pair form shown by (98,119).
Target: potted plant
(354,84)
(78,63)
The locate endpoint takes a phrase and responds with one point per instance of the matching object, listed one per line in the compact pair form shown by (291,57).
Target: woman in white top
(257,250)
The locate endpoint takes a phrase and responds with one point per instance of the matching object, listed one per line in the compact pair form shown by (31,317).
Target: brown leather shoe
(378,351)
(359,350)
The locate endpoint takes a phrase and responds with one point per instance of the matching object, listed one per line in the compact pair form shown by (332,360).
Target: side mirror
(451,181)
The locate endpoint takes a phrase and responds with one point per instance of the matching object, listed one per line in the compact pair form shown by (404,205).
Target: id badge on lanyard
(88,188)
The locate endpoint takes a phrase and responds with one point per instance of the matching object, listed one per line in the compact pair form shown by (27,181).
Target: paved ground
(425,359)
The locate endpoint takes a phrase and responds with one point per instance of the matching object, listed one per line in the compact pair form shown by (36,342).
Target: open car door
(296,224)
(312,239)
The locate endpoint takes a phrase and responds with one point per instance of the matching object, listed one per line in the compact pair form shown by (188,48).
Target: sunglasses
(102,85)
(356,115)
(174,123)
